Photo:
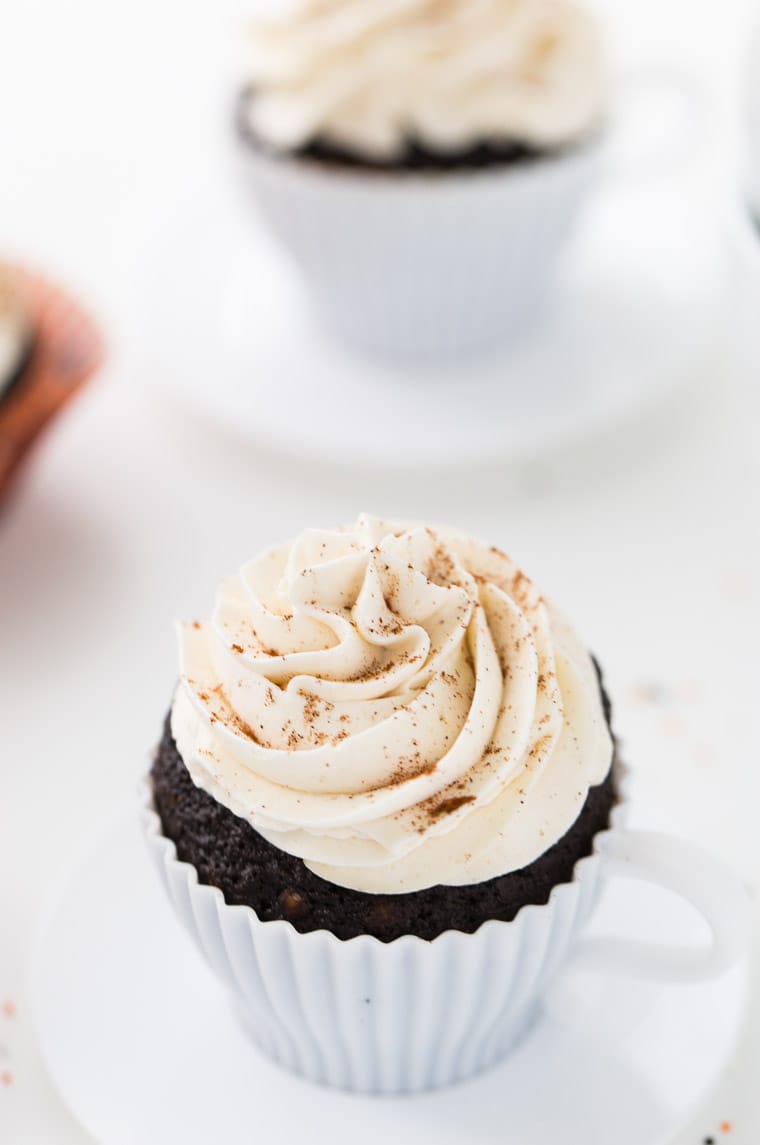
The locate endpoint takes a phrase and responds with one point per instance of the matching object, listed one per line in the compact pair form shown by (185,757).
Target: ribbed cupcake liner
(424,263)
(375,1017)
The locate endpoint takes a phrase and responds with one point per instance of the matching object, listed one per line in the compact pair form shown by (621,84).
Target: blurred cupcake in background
(16,335)
(423,161)
(48,349)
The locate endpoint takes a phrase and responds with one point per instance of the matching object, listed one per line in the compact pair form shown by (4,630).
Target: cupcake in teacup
(423,161)
(386,799)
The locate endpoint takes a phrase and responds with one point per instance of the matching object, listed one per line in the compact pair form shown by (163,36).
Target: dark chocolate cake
(229,854)
(415,155)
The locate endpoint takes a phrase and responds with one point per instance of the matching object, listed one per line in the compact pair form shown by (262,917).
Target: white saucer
(224,323)
(143,1046)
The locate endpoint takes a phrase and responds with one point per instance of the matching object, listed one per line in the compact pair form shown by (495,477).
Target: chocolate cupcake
(229,853)
(425,84)
(387,751)
(423,164)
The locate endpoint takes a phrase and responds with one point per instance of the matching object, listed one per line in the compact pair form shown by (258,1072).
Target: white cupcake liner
(423,263)
(369,1016)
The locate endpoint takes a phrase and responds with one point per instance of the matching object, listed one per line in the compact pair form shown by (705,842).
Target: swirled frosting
(370,76)
(397,706)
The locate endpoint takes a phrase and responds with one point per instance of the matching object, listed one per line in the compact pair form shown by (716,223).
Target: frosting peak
(397,706)
(372,76)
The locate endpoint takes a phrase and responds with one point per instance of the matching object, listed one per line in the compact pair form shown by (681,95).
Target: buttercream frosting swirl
(373,74)
(398,706)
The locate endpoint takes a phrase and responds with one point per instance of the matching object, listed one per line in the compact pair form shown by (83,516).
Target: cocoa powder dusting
(449,805)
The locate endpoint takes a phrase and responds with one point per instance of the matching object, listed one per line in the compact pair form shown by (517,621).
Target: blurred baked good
(15,330)
(48,349)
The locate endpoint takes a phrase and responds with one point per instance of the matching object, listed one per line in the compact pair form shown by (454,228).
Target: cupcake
(423,161)
(384,803)
(385,750)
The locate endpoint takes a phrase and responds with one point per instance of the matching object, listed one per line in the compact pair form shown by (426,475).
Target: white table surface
(132,510)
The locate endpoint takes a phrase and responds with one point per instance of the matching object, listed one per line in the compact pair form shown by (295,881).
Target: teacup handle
(694,875)
(643,145)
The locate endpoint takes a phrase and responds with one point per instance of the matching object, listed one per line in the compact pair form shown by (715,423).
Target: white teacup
(413,1015)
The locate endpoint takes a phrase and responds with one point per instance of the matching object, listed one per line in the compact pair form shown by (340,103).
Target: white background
(133,509)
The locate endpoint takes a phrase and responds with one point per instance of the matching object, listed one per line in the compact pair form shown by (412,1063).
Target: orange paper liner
(67,349)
